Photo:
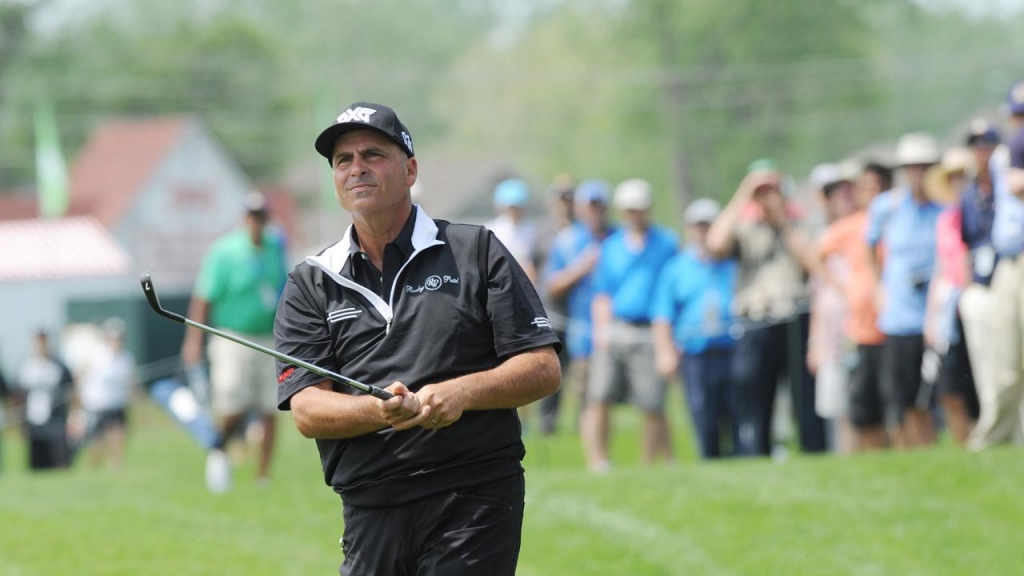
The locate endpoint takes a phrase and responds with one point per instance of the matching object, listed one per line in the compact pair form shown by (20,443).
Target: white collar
(335,258)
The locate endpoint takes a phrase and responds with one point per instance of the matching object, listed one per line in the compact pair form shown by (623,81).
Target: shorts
(866,408)
(901,375)
(242,379)
(626,369)
(831,399)
(466,531)
(103,420)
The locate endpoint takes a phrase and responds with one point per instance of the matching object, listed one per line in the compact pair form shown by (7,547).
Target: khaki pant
(241,378)
(994,327)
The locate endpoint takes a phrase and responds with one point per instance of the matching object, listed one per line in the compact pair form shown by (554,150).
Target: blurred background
(135,127)
(132,130)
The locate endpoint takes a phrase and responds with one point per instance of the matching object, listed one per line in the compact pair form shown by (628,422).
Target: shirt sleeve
(556,261)
(210,282)
(518,319)
(875,219)
(300,331)
(662,306)
(1016,147)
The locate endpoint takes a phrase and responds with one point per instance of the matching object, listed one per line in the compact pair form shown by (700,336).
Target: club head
(147,288)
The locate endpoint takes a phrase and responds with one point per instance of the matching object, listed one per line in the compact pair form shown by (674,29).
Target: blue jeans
(763,356)
(710,396)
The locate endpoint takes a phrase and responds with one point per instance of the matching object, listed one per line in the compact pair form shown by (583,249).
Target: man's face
(982,155)
(564,206)
(768,188)
(914,173)
(254,222)
(371,173)
(637,219)
(593,214)
(697,233)
(868,186)
(840,200)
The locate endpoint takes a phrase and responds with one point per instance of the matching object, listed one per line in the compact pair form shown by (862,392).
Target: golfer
(443,317)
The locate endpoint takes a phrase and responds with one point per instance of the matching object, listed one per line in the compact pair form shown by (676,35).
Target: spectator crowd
(883,306)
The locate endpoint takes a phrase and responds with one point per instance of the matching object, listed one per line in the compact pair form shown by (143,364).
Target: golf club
(150,291)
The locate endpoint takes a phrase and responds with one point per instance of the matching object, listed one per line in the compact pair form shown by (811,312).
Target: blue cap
(1015,99)
(511,192)
(593,191)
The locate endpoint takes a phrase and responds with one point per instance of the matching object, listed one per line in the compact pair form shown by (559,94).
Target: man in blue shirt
(624,281)
(903,220)
(1001,393)
(569,271)
(691,318)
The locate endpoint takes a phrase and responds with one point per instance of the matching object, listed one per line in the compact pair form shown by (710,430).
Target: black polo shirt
(449,311)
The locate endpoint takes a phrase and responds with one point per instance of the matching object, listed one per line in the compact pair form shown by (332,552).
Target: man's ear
(412,169)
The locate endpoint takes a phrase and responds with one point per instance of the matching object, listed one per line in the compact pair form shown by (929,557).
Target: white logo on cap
(1018,94)
(408,140)
(357,114)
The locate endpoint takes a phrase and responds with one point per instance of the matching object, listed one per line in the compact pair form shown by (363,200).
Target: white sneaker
(218,472)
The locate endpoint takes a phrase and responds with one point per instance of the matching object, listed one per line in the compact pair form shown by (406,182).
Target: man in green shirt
(239,284)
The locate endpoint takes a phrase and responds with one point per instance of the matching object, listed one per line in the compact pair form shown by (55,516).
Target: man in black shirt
(431,479)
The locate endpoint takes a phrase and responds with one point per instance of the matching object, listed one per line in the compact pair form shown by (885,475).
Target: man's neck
(375,231)
(918,195)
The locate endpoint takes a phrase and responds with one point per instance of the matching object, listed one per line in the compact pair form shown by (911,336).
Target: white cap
(824,174)
(633,194)
(702,210)
(114,327)
(917,148)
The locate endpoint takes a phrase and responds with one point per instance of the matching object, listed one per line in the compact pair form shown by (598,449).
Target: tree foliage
(682,92)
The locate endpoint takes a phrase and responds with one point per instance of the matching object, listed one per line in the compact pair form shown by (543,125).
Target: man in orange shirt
(845,239)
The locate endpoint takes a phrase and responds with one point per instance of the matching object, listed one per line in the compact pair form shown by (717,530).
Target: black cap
(364,116)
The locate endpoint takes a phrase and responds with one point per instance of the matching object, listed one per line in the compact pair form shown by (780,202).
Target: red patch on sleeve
(284,375)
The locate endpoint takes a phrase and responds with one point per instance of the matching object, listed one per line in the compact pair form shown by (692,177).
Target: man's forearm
(1015,181)
(562,281)
(799,247)
(518,381)
(198,311)
(320,412)
(720,235)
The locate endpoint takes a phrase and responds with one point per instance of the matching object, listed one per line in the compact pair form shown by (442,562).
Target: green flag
(51,172)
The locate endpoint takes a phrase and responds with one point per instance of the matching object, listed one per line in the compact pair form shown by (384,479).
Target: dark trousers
(48,446)
(707,380)
(461,532)
(762,356)
(549,404)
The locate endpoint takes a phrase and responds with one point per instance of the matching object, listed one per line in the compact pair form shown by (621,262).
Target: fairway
(941,511)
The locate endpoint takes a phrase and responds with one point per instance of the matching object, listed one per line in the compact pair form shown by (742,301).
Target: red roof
(115,163)
(59,248)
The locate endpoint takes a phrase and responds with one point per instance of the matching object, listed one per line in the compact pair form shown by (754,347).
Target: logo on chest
(431,283)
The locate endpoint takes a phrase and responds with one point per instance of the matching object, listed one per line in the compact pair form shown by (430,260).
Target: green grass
(940,511)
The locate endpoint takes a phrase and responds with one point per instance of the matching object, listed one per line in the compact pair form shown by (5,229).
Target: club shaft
(150,291)
(282,357)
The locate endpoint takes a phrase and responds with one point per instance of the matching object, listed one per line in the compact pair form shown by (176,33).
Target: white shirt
(520,239)
(106,384)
